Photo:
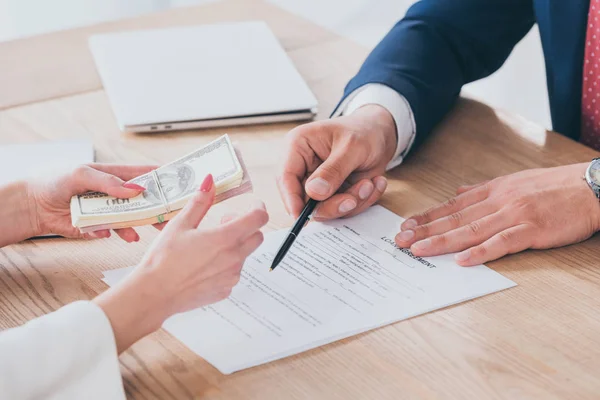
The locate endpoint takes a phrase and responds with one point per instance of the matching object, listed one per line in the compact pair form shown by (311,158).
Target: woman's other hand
(185,268)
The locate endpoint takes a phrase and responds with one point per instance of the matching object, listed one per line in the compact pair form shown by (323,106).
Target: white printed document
(339,279)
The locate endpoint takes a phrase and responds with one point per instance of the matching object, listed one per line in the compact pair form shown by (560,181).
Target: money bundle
(168,189)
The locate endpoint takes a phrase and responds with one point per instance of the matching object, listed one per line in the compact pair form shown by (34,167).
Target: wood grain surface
(540,340)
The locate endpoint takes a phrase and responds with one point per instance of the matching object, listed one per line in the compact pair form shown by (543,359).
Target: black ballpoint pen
(294,232)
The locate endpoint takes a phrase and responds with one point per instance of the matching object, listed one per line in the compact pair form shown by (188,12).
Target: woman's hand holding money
(40,207)
(49,200)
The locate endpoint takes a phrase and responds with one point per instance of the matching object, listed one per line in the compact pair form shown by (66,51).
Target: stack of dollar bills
(168,189)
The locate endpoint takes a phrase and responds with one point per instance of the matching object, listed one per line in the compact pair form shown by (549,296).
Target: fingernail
(319,186)
(133,186)
(406,236)
(381,184)
(365,190)
(423,244)
(207,183)
(463,256)
(347,206)
(409,224)
(259,205)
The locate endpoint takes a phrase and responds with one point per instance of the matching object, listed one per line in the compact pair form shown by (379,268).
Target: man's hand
(322,156)
(537,209)
(49,200)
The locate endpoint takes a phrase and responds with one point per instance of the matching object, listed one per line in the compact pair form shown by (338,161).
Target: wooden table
(540,340)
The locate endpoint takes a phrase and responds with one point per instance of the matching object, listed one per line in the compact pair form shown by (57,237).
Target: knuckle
(497,180)
(516,241)
(540,221)
(251,222)
(299,136)
(297,140)
(220,234)
(451,202)
(422,230)
(262,217)
(235,278)
(506,237)
(456,219)
(295,136)
(81,171)
(486,189)
(422,217)
(260,238)
(113,180)
(440,240)
(474,228)
(238,257)
(479,252)
(196,200)
(225,293)
(351,141)
(525,207)
(510,193)
(236,268)
(332,169)
(495,183)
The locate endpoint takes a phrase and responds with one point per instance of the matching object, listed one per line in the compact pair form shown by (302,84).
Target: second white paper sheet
(340,278)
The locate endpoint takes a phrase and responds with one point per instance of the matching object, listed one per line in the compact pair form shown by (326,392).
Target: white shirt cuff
(68,354)
(396,104)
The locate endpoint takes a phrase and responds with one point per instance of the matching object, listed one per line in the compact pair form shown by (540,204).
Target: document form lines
(214,308)
(259,318)
(349,278)
(280,289)
(385,271)
(330,251)
(374,245)
(301,261)
(380,270)
(341,256)
(298,260)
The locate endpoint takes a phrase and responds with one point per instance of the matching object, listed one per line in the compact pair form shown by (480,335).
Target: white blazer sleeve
(68,354)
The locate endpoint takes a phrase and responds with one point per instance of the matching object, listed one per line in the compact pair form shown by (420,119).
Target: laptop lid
(198,73)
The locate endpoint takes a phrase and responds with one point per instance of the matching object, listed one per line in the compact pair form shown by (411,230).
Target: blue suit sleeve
(439,46)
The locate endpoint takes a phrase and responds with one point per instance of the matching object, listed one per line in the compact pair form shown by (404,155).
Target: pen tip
(270,269)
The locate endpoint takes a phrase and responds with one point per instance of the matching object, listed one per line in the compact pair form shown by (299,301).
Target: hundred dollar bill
(168,189)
